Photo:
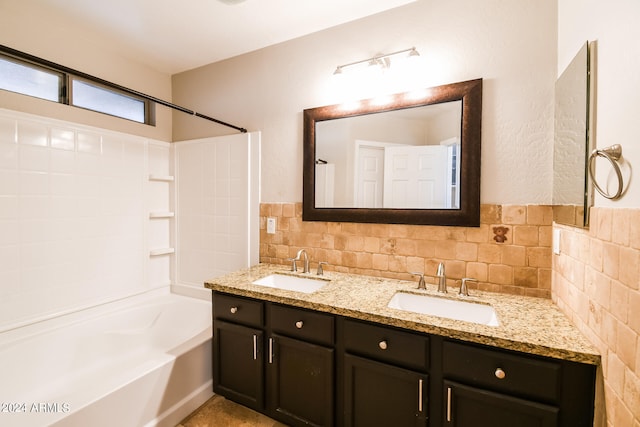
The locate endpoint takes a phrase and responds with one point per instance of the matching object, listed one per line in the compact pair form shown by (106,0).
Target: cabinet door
(238,364)
(473,407)
(377,394)
(301,378)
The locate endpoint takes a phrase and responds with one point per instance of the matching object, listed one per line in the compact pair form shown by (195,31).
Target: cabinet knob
(500,374)
(234,310)
(382,345)
(299,324)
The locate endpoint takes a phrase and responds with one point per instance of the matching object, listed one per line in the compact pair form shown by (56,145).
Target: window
(105,100)
(30,80)
(27,78)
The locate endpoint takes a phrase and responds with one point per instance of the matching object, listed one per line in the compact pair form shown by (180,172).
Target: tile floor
(220,412)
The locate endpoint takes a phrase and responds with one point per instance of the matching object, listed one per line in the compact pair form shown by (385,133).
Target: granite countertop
(530,325)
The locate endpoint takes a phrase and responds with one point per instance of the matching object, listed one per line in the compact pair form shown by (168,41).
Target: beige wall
(503,42)
(73,45)
(596,276)
(613,25)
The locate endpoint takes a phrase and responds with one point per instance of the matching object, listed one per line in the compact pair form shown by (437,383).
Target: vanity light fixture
(381,61)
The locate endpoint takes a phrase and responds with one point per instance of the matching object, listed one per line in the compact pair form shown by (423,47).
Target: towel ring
(613,154)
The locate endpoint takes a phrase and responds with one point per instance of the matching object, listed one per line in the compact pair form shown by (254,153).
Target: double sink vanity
(349,350)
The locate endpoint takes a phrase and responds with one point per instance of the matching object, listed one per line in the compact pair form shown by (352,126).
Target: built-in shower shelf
(154,215)
(161,251)
(164,178)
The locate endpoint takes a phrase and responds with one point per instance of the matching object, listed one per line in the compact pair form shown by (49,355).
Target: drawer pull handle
(299,324)
(234,310)
(255,347)
(270,350)
(500,374)
(382,345)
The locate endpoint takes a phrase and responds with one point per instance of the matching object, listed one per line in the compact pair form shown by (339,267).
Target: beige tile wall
(597,284)
(519,265)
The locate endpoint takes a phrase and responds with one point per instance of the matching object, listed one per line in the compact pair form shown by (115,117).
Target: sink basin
(291,283)
(482,314)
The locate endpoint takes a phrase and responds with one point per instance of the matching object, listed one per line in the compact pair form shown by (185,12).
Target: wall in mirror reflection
(571,194)
(407,158)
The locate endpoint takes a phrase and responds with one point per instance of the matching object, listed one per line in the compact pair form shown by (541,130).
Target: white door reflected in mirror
(413,163)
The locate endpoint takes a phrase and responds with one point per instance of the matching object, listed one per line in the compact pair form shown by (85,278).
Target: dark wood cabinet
(473,407)
(301,382)
(310,368)
(238,364)
(300,366)
(485,386)
(379,394)
(275,359)
(385,380)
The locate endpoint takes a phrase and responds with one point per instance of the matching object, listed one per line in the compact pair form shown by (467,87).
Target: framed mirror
(409,158)
(572,194)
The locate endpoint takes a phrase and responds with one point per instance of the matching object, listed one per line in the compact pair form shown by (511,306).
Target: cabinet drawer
(469,406)
(387,344)
(502,371)
(300,323)
(238,309)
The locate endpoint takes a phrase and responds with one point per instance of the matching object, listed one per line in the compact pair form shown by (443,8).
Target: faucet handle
(421,283)
(442,278)
(464,291)
(294,267)
(320,271)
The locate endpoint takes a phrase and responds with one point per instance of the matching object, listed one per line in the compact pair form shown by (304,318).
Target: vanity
(349,350)
(340,355)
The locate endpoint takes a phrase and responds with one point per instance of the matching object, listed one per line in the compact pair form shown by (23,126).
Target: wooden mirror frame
(470,93)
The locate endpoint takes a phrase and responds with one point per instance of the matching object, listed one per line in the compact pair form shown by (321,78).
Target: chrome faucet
(421,282)
(464,290)
(306,260)
(442,279)
(320,271)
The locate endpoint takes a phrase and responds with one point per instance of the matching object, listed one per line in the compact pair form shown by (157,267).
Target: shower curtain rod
(61,68)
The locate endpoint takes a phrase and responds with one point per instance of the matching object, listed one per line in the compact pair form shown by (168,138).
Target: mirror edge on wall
(576,215)
(470,93)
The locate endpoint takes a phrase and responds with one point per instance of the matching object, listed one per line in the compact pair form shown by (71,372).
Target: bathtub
(142,361)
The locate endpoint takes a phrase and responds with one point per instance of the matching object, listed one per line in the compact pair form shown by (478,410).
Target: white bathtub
(143,361)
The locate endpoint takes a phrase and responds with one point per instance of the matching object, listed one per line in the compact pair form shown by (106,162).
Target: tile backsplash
(510,252)
(596,283)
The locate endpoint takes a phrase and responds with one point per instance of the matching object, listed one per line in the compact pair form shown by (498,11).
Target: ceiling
(177,35)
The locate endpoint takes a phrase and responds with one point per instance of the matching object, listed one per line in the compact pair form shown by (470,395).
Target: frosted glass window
(30,81)
(107,101)
(55,83)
